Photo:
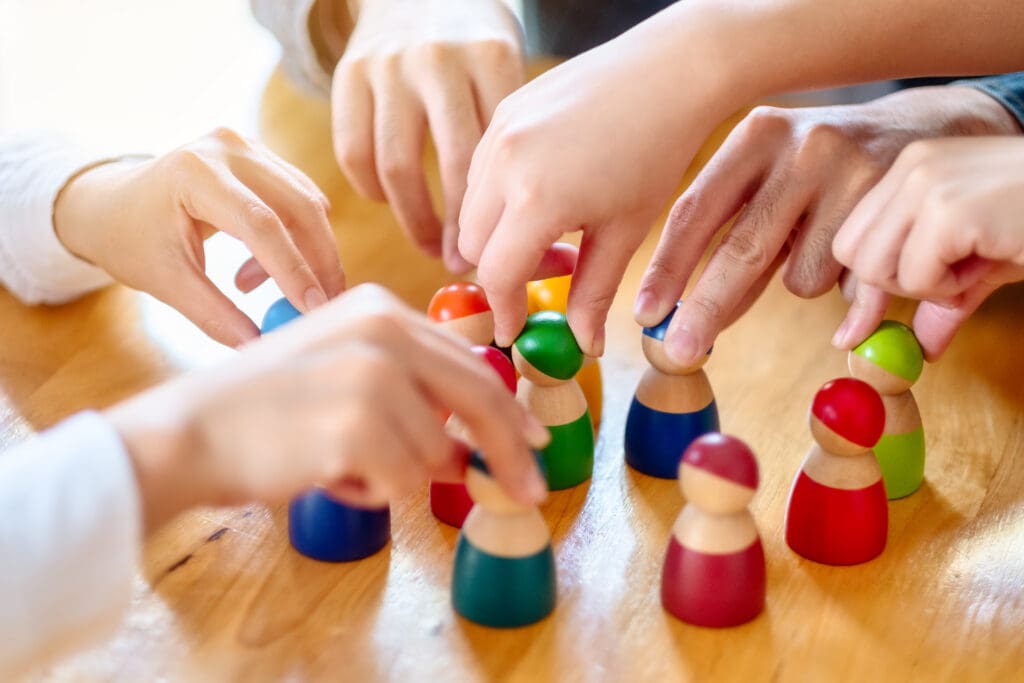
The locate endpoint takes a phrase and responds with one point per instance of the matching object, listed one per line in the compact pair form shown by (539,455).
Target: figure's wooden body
(318,525)
(838,512)
(891,361)
(714,570)
(504,573)
(673,405)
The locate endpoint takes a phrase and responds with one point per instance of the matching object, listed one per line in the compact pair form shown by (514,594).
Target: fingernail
(682,347)
(313,298)
(645,307)
(841,338)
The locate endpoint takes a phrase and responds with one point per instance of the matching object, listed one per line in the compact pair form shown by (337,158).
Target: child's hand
(945,226)
(442,63)
(596,144)
(350,397)
(145,222)
(793,176)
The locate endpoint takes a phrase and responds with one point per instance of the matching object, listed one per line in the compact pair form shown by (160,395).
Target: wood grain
(222,597)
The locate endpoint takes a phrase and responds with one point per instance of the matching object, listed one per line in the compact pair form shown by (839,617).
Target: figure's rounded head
(718,474)
(546,351)
(463,307)
(551,294)
(653,343)
(279,313)
(890,360)
(847,416)
(501,364)
(487,492)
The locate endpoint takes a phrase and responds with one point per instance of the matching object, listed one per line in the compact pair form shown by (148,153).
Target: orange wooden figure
(462,308)
(838,512)
(714,571)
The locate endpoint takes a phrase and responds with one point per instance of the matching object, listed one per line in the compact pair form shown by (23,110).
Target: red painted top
(852,409)
(501,364)
(457,300)
(723,456)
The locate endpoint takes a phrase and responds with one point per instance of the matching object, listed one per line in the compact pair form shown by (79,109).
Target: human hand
(350,397)
(145,222)
(790,177)
(572,150)
(944,226)
(445,64)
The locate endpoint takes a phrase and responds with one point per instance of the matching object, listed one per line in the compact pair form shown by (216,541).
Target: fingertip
(647,309)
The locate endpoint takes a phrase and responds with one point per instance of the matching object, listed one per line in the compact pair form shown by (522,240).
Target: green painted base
(901,457)
(569,458)
(503,592)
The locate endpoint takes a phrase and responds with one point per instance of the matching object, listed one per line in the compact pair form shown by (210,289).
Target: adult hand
(789,177)
(145,222)
(349,397)
(944,225)
(446,64)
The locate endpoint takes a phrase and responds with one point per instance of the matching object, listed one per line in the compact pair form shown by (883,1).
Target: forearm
(756,48)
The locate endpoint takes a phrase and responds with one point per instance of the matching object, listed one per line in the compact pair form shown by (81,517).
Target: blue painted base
(324,529)
(655,441)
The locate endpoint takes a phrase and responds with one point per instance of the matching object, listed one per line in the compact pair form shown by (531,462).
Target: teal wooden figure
(504,573)
(547,356)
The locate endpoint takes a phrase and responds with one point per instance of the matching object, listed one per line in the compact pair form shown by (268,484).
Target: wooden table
(222,596)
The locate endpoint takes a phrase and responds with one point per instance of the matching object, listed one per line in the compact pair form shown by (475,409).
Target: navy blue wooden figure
(319,526)
(673,405)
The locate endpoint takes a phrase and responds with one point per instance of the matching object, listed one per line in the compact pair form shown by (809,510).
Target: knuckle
(187,161)
(436,54)
(765,120)
(397,167)
(260,219)
(228,137)
(821,141)
(745,249)
(686,208)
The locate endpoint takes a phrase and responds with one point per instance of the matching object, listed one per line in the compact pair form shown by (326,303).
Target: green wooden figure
(504,574)
(891,360)
(547,356)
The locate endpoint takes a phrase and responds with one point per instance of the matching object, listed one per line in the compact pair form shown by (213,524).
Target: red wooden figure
(838,511)
(714,572)
(449,500)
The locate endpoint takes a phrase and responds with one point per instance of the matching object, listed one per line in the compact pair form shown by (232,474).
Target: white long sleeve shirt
(69,505)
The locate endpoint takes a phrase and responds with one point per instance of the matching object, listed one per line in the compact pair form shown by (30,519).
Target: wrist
(158,436)
(979,113)
(83,207)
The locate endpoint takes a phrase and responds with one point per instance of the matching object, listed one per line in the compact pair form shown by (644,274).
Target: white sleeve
(34,265)
(288,20)
(70,536)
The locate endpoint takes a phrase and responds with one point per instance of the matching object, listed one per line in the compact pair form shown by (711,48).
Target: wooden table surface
(222,596)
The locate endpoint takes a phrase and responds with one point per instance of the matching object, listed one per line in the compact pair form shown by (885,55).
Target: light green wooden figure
(891,361)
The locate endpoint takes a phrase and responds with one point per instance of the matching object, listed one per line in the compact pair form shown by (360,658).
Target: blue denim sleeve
(1008,89)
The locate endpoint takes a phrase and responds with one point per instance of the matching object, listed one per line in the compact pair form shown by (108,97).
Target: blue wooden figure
(673,405)
(319,526)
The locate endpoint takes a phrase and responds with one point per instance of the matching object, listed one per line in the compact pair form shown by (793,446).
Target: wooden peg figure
(547,356)
(838,512)
(450,501)
(552,294)
(714,571)
(462,308)
(673,405)
(891,361)
(504,573)
(319,526)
